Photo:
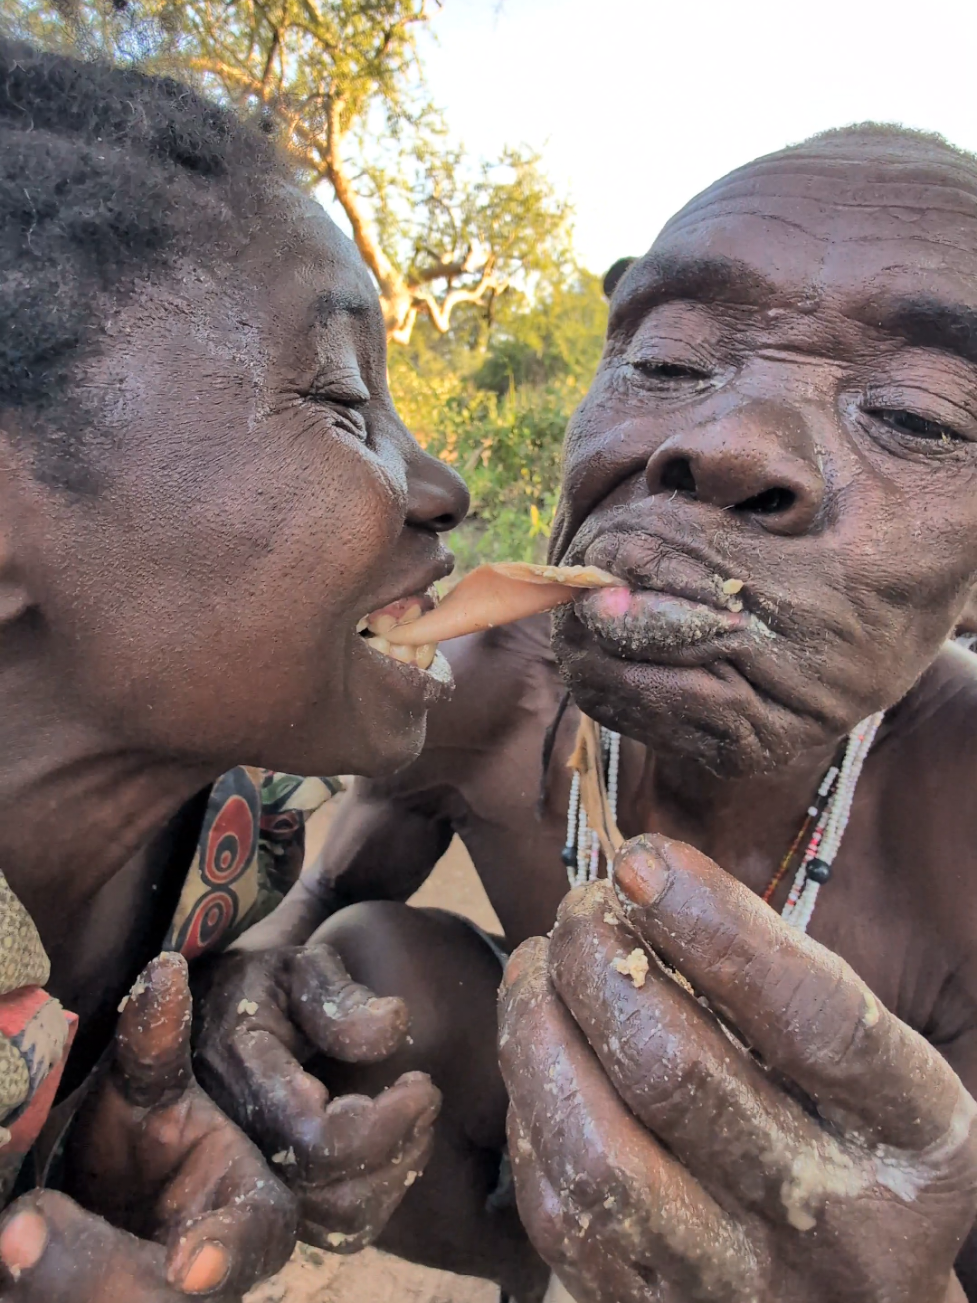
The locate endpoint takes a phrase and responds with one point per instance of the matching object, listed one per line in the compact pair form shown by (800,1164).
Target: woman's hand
(350,1161)
(656,1159)
(192,1206)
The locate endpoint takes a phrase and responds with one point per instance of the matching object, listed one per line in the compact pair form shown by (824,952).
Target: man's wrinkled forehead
(866,232)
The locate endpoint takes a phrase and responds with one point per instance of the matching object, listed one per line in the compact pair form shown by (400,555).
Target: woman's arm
(382,844)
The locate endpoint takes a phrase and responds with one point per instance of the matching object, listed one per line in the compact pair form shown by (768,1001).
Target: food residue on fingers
(634,966)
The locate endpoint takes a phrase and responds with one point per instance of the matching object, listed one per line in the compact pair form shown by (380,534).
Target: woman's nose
(437,496)
(758,461)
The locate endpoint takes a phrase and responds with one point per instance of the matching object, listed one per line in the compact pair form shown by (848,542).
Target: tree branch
(440,313)
(444,268)
(394,294)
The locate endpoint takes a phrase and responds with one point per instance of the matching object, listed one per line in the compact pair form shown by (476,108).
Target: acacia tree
(343,82)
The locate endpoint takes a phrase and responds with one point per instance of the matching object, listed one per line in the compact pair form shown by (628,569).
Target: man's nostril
(771,502)
(677,475)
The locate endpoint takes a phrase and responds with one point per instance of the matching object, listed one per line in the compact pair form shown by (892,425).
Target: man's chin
(706,715)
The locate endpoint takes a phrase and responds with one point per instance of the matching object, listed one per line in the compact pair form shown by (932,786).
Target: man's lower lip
(645,625)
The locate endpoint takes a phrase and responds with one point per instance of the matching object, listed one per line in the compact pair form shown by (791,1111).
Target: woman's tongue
(642,622)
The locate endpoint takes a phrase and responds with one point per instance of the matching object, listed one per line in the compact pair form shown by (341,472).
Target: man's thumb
(152,1038)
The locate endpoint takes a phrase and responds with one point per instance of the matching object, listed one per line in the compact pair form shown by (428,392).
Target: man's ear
(614,274)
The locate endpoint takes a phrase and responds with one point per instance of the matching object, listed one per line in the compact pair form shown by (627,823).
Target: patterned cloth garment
(249,853)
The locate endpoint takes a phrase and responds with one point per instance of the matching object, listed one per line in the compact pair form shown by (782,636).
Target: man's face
(779,456)
(259,497)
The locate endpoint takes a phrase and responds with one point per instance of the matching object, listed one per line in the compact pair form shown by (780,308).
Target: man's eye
(669,371)
(918,426)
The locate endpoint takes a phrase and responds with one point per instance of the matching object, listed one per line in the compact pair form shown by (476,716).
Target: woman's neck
(75,808)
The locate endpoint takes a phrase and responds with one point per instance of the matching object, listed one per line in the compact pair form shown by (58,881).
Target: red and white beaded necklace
(820,834)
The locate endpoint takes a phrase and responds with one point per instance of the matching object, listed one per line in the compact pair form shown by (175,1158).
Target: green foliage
(493,401)
(497,332)
(342,81)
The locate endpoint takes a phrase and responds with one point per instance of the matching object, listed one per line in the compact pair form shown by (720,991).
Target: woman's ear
(966,625)
(14,596)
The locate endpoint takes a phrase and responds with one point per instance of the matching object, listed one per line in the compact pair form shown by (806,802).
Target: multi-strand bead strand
(815,867)
(829,817)
(582,853)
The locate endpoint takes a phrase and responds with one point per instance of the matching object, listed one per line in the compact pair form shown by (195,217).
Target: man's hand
(350,1161)
(657,1159)
(194,1209)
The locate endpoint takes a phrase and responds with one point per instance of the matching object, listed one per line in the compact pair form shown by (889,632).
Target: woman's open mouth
(409,629)
(373,629)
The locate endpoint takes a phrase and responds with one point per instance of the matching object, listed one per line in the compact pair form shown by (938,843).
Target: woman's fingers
(805,1011)
(628,1193)
(346,1215)
(684,1078)
(53,1251)
(339,1016)
(152,1040)
(224,1218)
(315,1141)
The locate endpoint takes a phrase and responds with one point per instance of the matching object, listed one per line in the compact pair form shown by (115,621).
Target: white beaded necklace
(582,853)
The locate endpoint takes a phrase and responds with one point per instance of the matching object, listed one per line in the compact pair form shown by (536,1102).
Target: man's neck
(746,824)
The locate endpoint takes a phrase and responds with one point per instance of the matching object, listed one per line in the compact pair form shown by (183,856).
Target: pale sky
(638,104)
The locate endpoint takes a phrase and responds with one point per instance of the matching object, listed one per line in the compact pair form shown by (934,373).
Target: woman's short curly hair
(107,175)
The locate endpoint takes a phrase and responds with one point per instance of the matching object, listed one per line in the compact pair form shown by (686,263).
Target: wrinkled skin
(349,1161)
(254,494)
(719,1183)
(193,1208)
(771,408)
(788,378)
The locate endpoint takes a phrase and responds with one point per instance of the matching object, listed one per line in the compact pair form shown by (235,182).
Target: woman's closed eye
(346,400)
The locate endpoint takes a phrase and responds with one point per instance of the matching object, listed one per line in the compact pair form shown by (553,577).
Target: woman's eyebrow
(332,303)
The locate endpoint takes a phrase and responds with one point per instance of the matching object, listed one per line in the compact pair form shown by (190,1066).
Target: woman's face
(258,497)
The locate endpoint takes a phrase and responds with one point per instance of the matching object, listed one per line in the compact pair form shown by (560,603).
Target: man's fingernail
(208,1269)
(640,876)
(22,1241)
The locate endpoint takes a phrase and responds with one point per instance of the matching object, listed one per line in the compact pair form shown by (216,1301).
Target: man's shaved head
(787,401)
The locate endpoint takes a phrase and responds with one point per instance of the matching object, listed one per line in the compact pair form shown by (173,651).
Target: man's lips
(647,625)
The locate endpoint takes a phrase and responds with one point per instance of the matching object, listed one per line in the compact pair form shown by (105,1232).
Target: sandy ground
(374,1277)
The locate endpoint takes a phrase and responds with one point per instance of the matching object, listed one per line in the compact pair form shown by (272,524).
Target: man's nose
(437,497)
(758,460)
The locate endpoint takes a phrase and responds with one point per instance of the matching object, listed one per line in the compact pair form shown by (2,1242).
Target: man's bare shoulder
(499,675)
(506,692)
(929,809)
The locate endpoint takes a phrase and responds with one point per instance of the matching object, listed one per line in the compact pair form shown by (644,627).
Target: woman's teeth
(374,628)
